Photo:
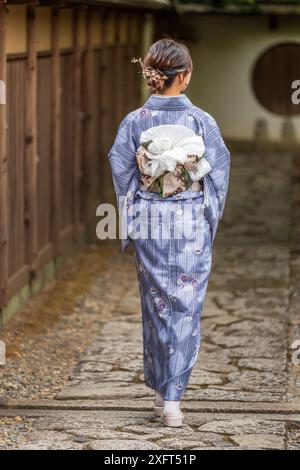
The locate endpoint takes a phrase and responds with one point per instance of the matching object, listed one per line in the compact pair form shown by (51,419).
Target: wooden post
(140,18)
(135,70)
(100,79)
(55,132)
(88,203)
(31,144)
(119,72)
(130,67)
(105,111)
(3,166)
(77,126)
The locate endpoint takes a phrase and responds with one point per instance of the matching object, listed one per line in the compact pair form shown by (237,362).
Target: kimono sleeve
(218,156)
(122,156)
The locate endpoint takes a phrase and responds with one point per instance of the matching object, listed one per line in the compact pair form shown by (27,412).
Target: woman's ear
(188,76)
(180,77)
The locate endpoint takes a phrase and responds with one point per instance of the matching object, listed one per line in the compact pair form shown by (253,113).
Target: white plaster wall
(223,56)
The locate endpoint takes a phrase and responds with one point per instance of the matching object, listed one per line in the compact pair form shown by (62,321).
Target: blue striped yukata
(172,270)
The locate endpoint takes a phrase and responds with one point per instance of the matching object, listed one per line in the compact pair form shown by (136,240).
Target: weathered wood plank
(103,102)
(3,166)
(77,125)
(120,84)
(105,85)
(55,132)
(31,143)
(88,148)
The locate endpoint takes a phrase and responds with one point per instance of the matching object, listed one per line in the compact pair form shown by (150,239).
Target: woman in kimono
(170,169)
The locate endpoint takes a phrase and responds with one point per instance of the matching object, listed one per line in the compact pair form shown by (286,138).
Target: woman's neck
(167,96)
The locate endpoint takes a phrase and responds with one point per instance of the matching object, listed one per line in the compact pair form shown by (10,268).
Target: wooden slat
(97,143)
(3,169)
(44,167)
(120,84)
(66,170)
(77,126)
(140,18)
(109,124)
(55,132)
(102,104)
(87,137)
(134,72)
(127,67)
(31,142)
(16,161)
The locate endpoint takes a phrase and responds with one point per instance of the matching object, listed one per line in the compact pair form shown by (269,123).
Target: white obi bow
(170,144)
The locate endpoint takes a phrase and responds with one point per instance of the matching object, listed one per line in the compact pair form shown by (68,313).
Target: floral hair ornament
(150,72)
(154,74)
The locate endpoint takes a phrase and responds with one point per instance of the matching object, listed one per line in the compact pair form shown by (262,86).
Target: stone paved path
(244,391)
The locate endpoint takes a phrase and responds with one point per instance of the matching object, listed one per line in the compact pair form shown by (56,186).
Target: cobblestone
(244,371)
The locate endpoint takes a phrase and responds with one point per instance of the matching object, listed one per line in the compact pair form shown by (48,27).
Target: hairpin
(150,72)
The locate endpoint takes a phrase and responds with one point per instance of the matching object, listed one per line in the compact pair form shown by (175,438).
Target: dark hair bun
(165,58)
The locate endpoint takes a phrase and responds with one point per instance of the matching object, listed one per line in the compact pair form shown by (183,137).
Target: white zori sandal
(171,420)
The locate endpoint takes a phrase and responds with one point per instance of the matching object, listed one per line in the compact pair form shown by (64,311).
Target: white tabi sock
(171,407)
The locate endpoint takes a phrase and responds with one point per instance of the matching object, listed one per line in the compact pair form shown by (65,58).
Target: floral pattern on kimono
(172,273)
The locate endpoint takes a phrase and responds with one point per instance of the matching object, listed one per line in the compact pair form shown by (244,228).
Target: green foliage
(243,5)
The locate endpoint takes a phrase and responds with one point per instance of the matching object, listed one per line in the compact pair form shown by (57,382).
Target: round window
(272,77)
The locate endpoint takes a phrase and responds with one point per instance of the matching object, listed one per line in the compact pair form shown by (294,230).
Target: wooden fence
(61,115)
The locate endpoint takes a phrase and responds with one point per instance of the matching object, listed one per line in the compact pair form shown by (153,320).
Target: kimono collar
(168,102)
